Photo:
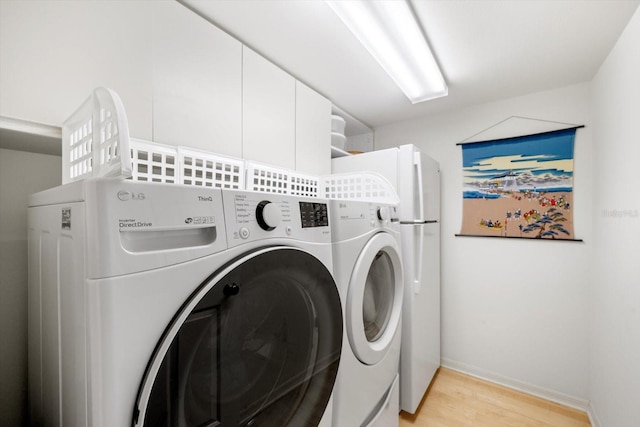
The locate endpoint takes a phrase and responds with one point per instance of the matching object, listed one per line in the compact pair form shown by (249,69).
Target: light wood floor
(457,400)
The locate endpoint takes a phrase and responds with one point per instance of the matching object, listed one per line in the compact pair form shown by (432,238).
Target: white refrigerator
(416,178)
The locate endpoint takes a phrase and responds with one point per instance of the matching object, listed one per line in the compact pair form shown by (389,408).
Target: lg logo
(127,195)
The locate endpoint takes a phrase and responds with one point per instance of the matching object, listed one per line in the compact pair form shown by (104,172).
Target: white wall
(614,372)
(54,53)
(513,311)
(21,174)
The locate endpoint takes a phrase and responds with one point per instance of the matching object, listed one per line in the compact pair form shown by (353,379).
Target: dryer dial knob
(268,215)
(383,213)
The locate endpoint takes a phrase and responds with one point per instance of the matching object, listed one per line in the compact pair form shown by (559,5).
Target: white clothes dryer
(416,179)
(167,305)
(368,270)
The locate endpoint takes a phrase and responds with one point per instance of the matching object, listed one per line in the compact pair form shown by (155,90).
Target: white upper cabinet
(54,53)
(313,131)
(182,80)
(197,82)
(268,120)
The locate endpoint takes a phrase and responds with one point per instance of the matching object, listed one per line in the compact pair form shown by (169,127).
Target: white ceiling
(487,49)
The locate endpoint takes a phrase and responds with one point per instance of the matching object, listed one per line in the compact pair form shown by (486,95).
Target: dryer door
(374,299)
(258,344)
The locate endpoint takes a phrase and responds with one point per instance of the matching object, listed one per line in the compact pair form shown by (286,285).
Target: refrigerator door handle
(417,281)
(417,162)
(420,222)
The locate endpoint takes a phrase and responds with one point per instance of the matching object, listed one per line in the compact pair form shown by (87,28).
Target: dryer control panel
(355,218)
(252,216)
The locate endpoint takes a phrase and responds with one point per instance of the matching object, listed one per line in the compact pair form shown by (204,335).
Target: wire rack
(96,142)
(362,186)
(95,139)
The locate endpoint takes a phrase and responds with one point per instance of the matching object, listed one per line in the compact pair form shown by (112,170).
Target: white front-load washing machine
(368,271)
(167,305)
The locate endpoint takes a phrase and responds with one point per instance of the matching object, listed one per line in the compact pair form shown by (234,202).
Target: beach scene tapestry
(519,187)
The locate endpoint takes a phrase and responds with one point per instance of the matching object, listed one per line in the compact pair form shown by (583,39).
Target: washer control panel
(251,216)
(313,214)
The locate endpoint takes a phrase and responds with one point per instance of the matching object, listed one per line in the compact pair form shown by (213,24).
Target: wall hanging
(519,186)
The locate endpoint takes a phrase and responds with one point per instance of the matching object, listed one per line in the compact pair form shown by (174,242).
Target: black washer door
(257,345)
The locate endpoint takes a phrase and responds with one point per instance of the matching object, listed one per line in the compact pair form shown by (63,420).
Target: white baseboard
(593,418)
(544,393)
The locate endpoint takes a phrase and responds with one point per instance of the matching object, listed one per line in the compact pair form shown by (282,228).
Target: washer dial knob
(268,215)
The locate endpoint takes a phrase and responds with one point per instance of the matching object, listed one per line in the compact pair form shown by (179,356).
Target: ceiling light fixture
(389,31)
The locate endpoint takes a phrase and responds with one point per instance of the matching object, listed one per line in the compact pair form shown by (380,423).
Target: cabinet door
(197,82)
(54,53)
(313,131)
(268,119)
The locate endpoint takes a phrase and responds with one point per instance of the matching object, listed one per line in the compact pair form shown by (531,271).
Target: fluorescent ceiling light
(389,31)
